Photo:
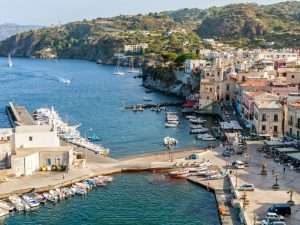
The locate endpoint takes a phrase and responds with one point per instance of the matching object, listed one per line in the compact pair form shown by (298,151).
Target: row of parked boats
(30,201)
(204,169)
(71,134)
(172,120)
(197,127)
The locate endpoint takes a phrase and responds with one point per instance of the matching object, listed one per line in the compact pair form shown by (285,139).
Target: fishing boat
(196,126)
(9,61)
(117,71)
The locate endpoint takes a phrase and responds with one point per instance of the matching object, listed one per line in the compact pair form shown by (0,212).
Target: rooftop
(255,83)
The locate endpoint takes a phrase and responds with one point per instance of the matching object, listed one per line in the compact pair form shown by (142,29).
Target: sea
(95,99)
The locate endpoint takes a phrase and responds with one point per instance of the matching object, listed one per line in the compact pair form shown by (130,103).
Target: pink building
(283,89)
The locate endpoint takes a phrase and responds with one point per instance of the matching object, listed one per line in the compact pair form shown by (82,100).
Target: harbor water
(141,198)
(96,99)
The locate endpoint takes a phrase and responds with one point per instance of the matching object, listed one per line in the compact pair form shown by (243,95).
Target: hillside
(9,29)
(167,34)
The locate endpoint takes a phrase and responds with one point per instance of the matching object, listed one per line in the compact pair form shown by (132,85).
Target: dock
(222,190)
(153,105)
(18,115)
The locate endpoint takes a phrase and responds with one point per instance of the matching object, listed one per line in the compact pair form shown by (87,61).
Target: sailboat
(132,69)
(9,61)
(118,72)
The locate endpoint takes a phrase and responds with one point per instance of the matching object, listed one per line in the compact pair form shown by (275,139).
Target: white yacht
(132,69)
(170,141)
(9,61)
(117,71)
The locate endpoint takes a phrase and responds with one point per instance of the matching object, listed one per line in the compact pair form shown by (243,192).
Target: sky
(48,12)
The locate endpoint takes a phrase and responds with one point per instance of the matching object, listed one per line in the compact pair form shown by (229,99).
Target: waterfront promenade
(96,165)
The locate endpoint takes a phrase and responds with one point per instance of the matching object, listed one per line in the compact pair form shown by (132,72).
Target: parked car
(281,209)
(278,223)
(226,153)
(238,164)
(272,215)
(247,187)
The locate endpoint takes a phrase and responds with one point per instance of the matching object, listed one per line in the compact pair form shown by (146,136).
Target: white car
(273,218)
(247,187)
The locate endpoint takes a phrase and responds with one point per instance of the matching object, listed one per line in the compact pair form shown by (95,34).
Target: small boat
(94,137)
(17,202)
(205,137)
(190,117)
(197,121)
(199,131)
(33,203)
(171,125)
(146,99)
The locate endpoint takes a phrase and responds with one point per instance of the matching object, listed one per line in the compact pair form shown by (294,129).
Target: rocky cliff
(170,81)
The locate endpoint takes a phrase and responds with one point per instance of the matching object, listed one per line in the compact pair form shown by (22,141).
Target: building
(135,48)
(191,65)
(268,118)
(27,161)
(5,148)
(34,136)
(293,119)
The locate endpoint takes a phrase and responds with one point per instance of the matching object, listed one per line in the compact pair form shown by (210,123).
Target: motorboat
(199,131)
(171,125)
(94,137)
(196,126)
(197,121)
(17,202)
(205,137)
(190,117)
(146,99)
(32,202)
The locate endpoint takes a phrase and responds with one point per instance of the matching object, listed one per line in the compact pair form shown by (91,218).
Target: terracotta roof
(295,104)
(254,83)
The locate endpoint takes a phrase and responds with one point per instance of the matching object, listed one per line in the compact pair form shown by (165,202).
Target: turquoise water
(132,199)
(95,99)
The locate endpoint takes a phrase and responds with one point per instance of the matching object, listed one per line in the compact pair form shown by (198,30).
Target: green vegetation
(171,36)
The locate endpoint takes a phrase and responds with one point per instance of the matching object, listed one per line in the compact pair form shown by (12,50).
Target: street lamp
(169,143)
(276,185)
(264,171)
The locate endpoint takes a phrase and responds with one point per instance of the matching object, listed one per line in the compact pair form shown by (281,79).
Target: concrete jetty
(18,115)
(222,190)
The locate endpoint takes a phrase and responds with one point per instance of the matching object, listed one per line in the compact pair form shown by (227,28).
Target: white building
(192,64)
(34,136)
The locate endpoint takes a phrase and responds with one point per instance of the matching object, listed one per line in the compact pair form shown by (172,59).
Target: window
(264,117)
(293,76)
(210,89)
(291,132)
(227,87)
(275,118)
(263,127)
(275,129)
(30,138)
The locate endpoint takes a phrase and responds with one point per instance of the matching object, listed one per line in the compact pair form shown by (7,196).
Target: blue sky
(47,12)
